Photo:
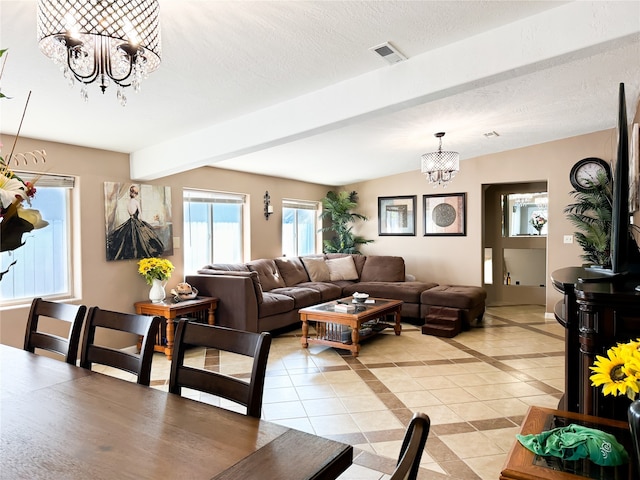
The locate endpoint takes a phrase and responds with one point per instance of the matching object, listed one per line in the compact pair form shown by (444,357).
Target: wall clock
(585,174)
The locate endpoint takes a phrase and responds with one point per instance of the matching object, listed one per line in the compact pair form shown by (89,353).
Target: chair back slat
(219,385)
(248,344)
(226,339)
(114,358)
(50,342)
(72,314)
(144,326)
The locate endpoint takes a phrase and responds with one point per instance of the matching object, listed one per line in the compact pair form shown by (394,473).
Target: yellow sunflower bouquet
(155,269)
(619,374)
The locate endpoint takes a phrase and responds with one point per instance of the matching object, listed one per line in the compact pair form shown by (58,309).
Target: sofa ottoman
(469,300)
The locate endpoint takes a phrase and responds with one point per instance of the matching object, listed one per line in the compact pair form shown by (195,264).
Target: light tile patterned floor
(475,387)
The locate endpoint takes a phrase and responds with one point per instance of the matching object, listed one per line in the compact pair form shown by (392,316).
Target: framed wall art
(138,221)
(634,169)
(397,215)
(445,214)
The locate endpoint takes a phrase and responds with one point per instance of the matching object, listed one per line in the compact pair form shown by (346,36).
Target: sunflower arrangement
(155,269)
(619,374)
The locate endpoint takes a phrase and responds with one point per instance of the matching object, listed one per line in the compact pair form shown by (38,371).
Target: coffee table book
(344,308)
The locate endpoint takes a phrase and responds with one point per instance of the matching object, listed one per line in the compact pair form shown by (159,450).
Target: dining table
(60,421)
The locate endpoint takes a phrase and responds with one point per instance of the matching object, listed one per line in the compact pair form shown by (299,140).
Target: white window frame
(303,205)
(71,289)
(213,196)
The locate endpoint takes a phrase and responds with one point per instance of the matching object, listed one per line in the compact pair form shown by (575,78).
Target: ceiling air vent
(388,52)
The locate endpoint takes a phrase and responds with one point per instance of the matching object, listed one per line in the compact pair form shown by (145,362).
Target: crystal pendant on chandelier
(101,41)
(121,97)
(440,167)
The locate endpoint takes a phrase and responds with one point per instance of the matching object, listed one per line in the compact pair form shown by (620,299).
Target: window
(299,227)
(43,264)
(213,228)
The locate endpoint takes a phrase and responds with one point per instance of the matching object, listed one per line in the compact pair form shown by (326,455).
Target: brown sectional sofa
(266,294)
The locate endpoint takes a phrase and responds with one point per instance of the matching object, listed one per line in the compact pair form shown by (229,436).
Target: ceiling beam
(519,48)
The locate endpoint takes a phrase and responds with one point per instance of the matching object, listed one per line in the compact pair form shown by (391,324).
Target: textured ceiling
(290,88)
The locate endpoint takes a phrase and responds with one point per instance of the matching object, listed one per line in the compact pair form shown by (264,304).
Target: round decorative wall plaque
(443,215)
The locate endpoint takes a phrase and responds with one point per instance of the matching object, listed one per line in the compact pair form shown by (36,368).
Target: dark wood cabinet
(597,312)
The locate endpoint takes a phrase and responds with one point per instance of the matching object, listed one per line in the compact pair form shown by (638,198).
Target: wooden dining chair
(142,325)
(413,444)
(67,347)
(250,344)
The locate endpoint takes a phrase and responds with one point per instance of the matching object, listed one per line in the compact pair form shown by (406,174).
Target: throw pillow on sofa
(383,268)
(228,267)
(317,269)
(292,270)
(342,269)
(268,273)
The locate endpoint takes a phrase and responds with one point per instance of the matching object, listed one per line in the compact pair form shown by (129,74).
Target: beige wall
(117,285)
(456,260)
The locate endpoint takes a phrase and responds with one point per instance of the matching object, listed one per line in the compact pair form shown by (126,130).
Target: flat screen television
(625,255)
(620,238)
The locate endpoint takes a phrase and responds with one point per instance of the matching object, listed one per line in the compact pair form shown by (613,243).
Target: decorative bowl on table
(360,297)
(186,296)
(184,291)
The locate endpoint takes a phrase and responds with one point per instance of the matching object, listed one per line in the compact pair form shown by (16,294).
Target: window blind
(205,196)
(300,204)
(47,179)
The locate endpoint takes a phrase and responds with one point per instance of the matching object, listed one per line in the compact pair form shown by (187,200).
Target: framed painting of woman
(138,221)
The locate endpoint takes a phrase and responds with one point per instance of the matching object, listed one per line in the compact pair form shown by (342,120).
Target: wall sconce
(268,208)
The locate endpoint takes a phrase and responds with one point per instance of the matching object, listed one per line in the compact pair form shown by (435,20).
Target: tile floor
(475,387)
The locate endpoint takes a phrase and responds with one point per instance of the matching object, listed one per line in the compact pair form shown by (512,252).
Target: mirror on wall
(525,214)
(488,265)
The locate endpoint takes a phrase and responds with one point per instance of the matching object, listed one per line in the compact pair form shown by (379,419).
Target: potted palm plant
(338,206)
(591,214)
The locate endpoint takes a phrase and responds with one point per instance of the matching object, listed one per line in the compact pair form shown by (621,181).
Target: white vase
(157,293)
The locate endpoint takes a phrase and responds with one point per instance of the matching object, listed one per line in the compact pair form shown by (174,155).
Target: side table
(522,464)
(171,311)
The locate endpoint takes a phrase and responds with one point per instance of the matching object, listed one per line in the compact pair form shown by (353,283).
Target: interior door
(515,243)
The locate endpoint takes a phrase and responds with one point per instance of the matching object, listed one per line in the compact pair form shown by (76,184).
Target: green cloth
(574,442)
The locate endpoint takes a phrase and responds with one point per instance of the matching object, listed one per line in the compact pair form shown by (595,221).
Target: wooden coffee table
(329,323)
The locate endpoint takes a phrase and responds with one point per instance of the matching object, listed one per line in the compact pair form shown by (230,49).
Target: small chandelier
(98,40)
(441,166)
